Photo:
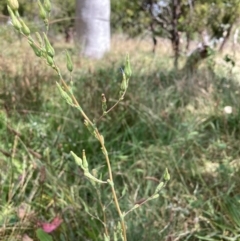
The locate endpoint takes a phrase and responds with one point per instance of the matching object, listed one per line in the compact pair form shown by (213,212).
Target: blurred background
(181,111)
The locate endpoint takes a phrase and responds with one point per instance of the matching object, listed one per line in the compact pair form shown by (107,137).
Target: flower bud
(166,175)
(13,4)
(42,12)
(69,62)
(17,25)
(50,60)
(63,93)
(25,28)
(46,22)
(77,159)
(127,67)
(39,38)
(124,85)
(35,48)
(85,163)
(49,48)
(47,5)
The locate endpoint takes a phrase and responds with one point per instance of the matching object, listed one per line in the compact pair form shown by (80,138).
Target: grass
(167,119)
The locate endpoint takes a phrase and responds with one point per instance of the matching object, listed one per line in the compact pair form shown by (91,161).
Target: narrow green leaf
(159,187)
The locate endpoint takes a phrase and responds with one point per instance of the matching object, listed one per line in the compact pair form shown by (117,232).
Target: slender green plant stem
(106,156)
(103,210)
(112,186)
(99,137)
(142,203)
(74,99)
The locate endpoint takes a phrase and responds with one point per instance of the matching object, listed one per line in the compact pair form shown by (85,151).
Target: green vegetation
(166,120)
(177,19)
(187,123)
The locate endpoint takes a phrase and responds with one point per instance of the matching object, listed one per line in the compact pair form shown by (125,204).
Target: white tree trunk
(93,27)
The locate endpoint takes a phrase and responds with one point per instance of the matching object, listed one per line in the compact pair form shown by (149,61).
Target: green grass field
(167,119)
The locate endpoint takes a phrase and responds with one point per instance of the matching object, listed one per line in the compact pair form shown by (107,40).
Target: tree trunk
(93,27)
(176,47)
(226,38)
(176,12)
(188,38)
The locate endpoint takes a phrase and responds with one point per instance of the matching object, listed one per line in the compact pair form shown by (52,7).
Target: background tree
(165,18)
(161,18)
(169,18)
(93,27)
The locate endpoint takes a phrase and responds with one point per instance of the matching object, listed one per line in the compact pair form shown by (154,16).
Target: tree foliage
(129,17)
(134,17)
(165,18)
(169,18)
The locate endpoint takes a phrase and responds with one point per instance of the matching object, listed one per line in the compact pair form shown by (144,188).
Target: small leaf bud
(69,62)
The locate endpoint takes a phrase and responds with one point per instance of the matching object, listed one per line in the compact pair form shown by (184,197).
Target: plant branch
(100,138)
(112,185)
(120,99)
